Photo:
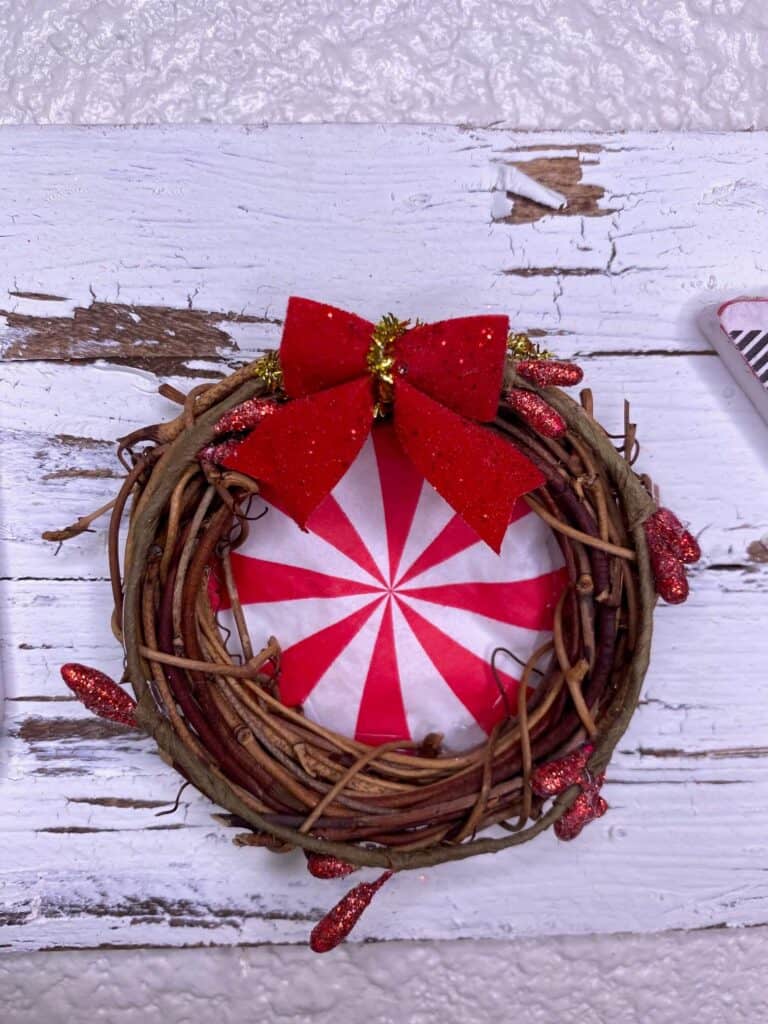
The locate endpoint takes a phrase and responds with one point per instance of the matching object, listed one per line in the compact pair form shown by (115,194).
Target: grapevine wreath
(481,415)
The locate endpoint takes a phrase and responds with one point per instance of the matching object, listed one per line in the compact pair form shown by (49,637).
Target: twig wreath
(472,406)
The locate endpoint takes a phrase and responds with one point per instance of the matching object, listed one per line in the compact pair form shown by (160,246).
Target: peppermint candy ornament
(389,607)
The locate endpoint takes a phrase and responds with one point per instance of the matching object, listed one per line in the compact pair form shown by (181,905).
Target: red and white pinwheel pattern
(390,606)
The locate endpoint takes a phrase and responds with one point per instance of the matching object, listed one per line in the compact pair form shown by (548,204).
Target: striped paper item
(738,329)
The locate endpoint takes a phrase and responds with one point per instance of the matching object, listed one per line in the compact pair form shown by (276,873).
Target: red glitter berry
(546,373)
(656,536)
(587,806)
(240,420)
(322,865)
(665,528)
(668,524)
(667,550)
(668,575)
(678,541)
(538,414)
(339,922)
(689,548)
(245,416)
(556,776)
(100,694)
(219,453)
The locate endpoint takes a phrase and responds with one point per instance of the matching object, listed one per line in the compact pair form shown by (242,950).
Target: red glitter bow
(442,382)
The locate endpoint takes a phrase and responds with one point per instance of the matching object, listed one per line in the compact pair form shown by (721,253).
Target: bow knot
(381,360)
(440,381)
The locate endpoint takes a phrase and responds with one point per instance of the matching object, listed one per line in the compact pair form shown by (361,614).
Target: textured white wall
(629,980)
(533,63)
(547,63)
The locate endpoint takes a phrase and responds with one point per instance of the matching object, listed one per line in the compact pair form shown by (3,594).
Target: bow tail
(479,473)
(300,452)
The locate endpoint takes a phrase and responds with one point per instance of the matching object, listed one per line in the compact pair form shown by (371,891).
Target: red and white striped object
(738,329)
(389,608)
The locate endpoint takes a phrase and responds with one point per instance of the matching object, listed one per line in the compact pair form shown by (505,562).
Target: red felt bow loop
(445,382)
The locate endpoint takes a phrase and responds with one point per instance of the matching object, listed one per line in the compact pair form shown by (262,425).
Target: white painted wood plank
(623,871)
(232,221)
(231,218)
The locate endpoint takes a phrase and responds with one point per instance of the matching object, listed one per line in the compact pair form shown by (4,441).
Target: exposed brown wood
(85,474)
(38,296)
(50,730)
(79,830)
(757,551)
(117,801)
(675,752)
(564,174)
(84,443)
(151,335)
(555,271)
(583,147)
(151,910)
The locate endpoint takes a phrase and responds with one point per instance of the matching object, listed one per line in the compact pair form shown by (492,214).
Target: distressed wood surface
(131,256)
